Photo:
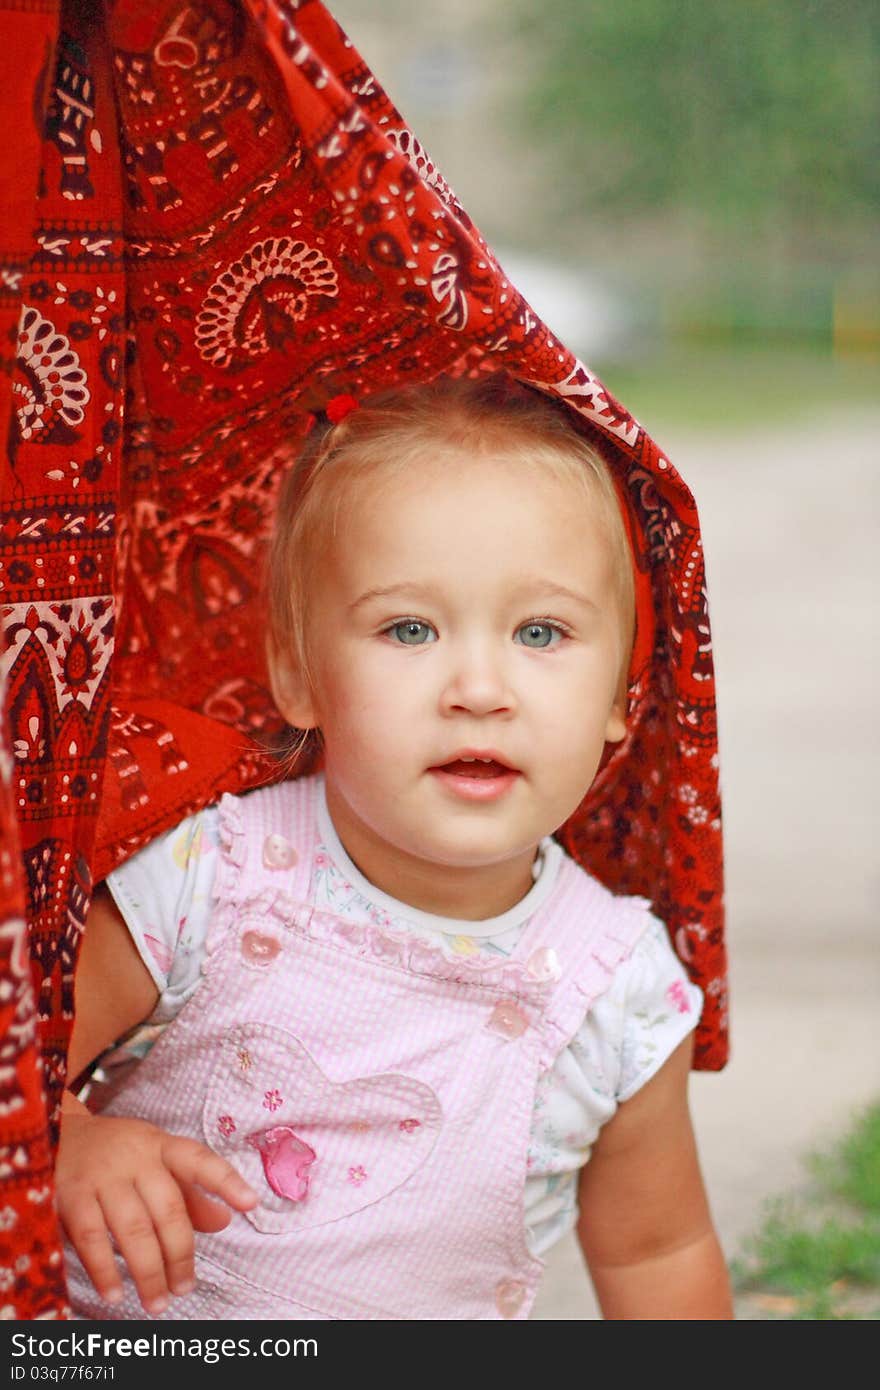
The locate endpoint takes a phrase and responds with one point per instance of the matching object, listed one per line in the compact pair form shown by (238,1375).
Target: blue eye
(412,633)
(538,635)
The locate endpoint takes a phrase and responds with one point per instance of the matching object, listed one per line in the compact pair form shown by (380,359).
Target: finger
(205,1213)
(83,1220)
(164,1202)
(132,1228)
(191,1162)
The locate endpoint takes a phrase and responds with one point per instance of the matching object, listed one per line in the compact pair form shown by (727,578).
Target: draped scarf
(214,221)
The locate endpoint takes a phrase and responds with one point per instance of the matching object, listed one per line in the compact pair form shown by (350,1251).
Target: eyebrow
(418,590)
(547,586)
(424,591)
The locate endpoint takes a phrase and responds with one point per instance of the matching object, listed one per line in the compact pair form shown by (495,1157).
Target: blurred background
(689,195)
(687,176)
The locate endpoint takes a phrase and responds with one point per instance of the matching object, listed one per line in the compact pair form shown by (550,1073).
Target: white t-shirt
(165,896)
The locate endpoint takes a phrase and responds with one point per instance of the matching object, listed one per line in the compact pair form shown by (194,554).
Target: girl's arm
(645,1227)
(123,1177)
(114,989)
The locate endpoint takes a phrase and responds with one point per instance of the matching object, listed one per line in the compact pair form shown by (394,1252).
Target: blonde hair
(481,416)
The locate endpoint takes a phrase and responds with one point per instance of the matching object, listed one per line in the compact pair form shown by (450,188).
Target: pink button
(509,1296)
(543,964)
(507,1020)
(259,949)
(278,853)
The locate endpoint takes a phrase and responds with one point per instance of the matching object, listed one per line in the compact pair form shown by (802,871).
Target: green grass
(854,1175)
(716,387)
(817,1256)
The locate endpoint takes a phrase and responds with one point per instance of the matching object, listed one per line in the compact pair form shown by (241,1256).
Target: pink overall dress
(377,1093)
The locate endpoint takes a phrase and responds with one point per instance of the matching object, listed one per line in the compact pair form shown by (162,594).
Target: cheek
(573,711)
(357,700)
(583,677)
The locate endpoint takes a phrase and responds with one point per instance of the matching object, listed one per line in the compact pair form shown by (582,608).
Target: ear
(615,726)
(290,688)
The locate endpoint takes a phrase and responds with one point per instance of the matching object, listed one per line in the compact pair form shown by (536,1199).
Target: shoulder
(174,855)
(602,932)
(650,971)
(648,1009)
(164,894)
(653,968)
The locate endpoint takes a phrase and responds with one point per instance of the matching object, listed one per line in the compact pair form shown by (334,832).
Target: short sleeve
(164,895)
(635,1027)
(628,1033)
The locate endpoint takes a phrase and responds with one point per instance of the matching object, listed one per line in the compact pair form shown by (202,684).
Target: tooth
(467,760)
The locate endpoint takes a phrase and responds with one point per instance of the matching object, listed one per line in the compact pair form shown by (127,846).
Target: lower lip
(475,788)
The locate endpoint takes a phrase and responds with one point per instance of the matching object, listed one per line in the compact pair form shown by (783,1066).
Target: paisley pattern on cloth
(215,222)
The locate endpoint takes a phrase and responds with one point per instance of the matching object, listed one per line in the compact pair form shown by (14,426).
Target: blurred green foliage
(760,117)
(853,1173)
(714,386)
(820,1249)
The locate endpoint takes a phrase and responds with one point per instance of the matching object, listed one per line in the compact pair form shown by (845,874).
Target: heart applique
(315,1148)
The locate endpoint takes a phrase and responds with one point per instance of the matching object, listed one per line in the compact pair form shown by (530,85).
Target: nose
(477,682)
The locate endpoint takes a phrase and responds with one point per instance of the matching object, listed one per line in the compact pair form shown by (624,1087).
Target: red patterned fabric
(214,221)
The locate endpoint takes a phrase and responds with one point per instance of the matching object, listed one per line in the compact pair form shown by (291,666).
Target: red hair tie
(340,406)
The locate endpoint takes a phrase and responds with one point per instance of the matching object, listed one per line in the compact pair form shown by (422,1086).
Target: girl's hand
(123,1180)
(128,1180)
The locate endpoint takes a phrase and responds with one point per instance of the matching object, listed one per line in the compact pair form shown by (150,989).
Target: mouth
(476,776)
(476,764)
(473,767)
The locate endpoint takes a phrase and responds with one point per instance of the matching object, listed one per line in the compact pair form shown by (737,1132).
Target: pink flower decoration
(272,1100)
(357,1175)
(286,1161)
(677,995)
(321,861)
(226,1125)
(409,1126)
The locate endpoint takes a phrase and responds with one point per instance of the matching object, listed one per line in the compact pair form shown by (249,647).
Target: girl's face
(466,609)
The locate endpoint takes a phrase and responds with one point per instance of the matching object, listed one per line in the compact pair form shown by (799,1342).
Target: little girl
(405,1042)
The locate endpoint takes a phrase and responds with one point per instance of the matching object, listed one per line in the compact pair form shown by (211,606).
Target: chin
(471,856)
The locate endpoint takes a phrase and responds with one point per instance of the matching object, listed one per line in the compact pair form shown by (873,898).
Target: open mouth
(475,767)
(476,779)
